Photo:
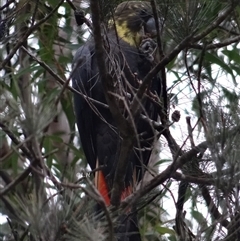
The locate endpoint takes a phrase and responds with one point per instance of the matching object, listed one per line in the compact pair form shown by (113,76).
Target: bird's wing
(82,82)
(98,139)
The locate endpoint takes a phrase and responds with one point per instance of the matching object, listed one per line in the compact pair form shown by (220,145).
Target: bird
(129,63)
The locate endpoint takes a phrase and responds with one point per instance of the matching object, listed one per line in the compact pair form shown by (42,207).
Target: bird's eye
(145,15)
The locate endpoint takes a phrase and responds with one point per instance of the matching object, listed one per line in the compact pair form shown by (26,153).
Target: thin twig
(222,44)
(164,175)
(17,180)
(15,140)
(190,131)
(125,127)
(35,12)
(14,232)
(215,23)
(6,4)
(26,35)
(60,80)
(141,90)
(10,152)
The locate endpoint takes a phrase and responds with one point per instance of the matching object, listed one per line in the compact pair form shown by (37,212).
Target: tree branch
(224,43)
(125,127)
(166,174)
(192,179)
(213,209)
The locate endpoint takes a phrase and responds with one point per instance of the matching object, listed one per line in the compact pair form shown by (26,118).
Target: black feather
(99,135)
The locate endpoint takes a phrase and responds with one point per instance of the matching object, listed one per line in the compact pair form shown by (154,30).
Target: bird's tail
(127,228)
(101,185)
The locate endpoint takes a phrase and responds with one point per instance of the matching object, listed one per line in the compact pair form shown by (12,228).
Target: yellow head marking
(124,33)
(130,17)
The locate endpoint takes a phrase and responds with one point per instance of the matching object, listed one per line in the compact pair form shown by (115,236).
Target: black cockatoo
(128,63)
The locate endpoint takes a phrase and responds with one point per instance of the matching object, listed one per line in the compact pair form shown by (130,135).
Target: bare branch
(213,209)
(125,127)
(166,174)
(192,179)
(17,180)
(224,43)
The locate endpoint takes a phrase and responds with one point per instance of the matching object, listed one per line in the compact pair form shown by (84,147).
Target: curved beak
(150,27)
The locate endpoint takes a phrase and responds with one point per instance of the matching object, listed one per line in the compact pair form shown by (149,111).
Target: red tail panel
(103,189)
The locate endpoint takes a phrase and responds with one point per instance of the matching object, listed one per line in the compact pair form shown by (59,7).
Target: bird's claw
(148,47)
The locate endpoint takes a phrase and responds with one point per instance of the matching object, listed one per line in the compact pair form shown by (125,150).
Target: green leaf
(171,64)
(199,218)
(164,230)
(231,96)
(213,58)
(162,161)
(232,55)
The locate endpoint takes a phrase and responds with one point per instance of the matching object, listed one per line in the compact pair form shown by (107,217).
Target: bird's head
(133,20)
